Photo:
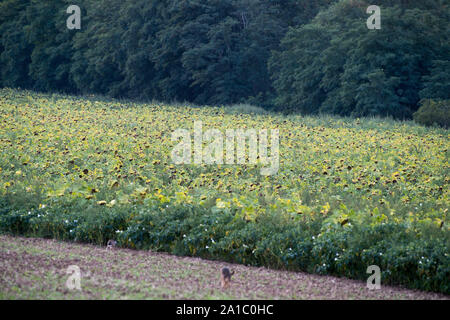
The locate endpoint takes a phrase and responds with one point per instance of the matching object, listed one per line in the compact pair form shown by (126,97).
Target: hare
(111,244)
(225,277)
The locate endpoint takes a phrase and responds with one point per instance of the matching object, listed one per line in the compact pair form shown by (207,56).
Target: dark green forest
(305,56)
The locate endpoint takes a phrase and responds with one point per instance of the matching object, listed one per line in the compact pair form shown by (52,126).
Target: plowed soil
(37,269)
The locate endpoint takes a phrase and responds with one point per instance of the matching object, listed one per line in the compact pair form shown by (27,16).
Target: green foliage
(206,52)
(406,258)
(15,50)
(336,65)
(297,80)
(244,108)
(434,112)
(52,45)
(437,84)
(98,53)
(303,56)
(348,193)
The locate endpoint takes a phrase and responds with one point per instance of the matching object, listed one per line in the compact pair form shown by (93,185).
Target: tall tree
(15,50)
(99,58)
(437,83)
(357,71)
(52,45)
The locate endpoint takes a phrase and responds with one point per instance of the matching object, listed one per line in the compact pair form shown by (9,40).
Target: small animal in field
(111,244)
(225,277)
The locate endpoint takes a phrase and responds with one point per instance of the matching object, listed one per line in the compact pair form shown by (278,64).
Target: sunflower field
(349,193)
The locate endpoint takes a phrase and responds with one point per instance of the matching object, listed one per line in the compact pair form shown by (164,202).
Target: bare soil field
(36,269)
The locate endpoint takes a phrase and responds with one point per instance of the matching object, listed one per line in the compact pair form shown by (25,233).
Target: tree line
(308,56)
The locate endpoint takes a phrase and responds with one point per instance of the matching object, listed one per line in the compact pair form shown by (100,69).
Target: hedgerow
(407,255)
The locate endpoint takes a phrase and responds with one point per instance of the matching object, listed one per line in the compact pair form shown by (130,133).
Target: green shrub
(433,112)
(244,108)
(406,256)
